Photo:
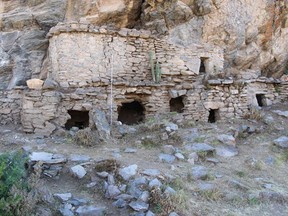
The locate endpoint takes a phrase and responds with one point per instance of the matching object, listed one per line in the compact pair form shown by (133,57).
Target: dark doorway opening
(213,115)
(78,119)
(260,100)
(131,113)
(202,65)
(176,105)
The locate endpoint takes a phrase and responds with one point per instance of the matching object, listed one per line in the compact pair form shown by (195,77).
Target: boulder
(281,142)
(127,172)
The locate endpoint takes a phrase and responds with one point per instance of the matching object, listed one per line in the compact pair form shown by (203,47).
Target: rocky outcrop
(252,32)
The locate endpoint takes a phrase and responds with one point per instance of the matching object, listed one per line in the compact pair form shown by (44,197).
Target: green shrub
(17,197)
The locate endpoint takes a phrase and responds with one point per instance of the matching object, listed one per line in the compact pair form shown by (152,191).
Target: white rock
(78,171)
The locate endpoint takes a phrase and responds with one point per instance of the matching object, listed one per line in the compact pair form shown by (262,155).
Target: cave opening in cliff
(203,61)
(261,100)
(131,113)
(176,104)
(78,119)
(213,115)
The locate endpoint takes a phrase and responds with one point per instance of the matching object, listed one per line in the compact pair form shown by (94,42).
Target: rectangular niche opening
(213,115)
(131,113)
(203,63)
(78,119)
(176,104)
(261,100)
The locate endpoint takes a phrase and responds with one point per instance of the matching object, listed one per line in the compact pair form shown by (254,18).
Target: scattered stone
(155,183)
(179,156)
(281,113)
(166,158)
(169,190)
(112,191)
(200,147)
(227,139)
(281,142)
(47,158)
(63,196)
(212,160)
(120,203)
(270,160)
(78,171)
(102,174)
(144,196)
(170,127)
(168,149)
(91,184)
(66,210)
(139,206)
(127,172)
(239,185)
(199,172)
(173,214)
(79,158)
(149,213)
(135,187)
(206,186)
(111,180)
(77,202)
(130,150)
(193,157)
(228,151)
(126,129)
(124,197)
(91,211)
(151,172)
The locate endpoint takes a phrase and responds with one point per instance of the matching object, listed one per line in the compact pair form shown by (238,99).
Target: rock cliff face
(253,33)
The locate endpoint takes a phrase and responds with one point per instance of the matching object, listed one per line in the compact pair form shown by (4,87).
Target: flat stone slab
(199,172)
(202,186)
(91,211)
(130,150)
(48,158)
(281,113)
(226,151)
(282,142)
(139,206)
(227,139)
(199,147)
(151,172)
(167,158)
(127,172)
(79,158)
(63,196)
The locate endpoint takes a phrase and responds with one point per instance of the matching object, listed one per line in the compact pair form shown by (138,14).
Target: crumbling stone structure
(98,68)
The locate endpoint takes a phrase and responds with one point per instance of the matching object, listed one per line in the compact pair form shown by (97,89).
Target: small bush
(254,114)
(17,193)
(86,137)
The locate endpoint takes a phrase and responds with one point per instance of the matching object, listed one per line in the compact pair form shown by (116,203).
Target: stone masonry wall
(10,106)
(96,52)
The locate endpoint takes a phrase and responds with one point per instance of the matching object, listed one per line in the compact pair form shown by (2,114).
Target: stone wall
(99,53)
(38,110)
(44,111)
(10,106)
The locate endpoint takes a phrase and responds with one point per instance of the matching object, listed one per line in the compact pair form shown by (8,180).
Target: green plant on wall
(155,69)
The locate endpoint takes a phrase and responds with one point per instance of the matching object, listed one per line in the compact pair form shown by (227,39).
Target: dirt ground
(260,166)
